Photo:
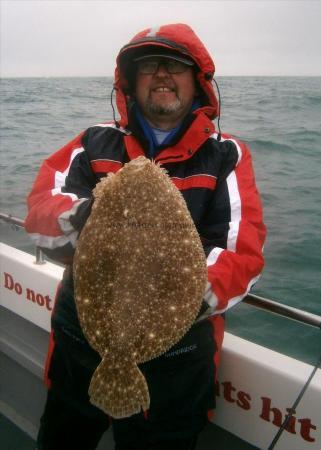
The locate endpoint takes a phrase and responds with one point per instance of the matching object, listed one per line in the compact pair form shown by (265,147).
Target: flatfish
(140,274)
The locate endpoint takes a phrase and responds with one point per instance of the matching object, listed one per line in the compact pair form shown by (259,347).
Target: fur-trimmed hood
(175,37)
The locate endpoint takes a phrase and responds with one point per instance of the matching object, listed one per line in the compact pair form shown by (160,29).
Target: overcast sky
(82,38)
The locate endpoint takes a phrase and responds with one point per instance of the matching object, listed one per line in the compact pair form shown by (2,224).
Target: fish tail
(119,389)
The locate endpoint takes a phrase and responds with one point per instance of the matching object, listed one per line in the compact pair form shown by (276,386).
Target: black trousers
(182,390)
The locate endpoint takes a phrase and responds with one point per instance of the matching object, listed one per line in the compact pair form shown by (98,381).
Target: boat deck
(13,438)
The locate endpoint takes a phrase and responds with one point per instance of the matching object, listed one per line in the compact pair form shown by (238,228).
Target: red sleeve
(53,200)
(233,268)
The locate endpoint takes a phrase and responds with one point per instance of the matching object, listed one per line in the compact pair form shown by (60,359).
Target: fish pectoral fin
(119,388)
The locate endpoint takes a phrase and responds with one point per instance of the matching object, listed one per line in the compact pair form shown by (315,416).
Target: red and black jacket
(215,177)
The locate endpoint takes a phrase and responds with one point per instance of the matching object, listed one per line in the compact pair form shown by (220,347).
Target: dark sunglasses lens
(148,67)
(171,66)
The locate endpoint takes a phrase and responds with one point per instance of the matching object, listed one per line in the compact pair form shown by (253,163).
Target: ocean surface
(278,117)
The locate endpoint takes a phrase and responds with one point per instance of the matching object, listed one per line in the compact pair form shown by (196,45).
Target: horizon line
(112,76)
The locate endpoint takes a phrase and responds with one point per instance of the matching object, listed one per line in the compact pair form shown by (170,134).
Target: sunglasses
(151,66)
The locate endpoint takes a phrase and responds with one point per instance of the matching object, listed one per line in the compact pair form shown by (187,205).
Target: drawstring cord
(112,106)
(219,136)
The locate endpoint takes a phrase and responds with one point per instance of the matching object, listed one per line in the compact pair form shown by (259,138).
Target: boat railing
(19,223)
(257,301)
(283,310)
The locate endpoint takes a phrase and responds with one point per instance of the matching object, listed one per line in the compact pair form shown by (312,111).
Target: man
(166,102)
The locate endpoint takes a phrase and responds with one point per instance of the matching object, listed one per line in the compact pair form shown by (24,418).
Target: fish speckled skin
(140,275)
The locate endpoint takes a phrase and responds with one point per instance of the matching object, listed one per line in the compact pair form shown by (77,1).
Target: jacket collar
(196,130)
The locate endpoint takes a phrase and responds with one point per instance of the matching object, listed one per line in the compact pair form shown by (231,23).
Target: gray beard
(161,110)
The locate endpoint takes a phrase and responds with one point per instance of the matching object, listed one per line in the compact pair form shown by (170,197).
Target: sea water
(280,120)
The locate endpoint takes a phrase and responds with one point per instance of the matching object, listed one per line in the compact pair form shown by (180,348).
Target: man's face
(164,97)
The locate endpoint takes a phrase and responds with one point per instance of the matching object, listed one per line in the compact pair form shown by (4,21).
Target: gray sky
(82,38)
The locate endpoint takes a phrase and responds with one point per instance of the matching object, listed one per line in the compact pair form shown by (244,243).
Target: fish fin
(119,388)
